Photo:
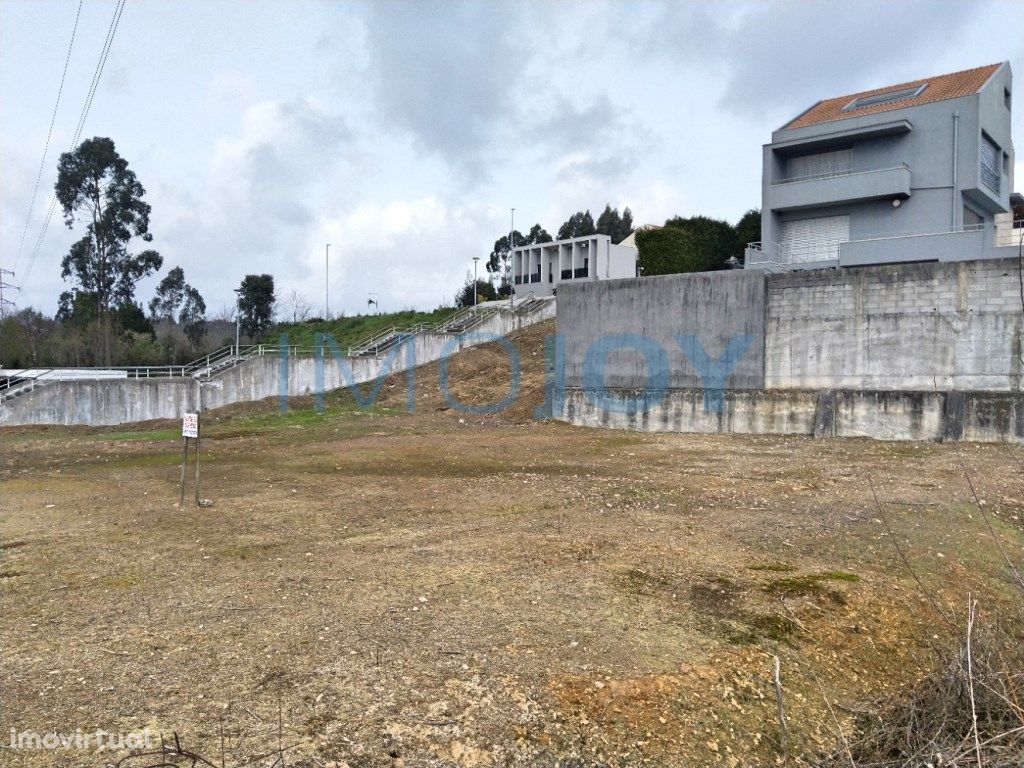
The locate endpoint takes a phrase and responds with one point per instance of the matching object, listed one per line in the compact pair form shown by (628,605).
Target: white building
(539,268)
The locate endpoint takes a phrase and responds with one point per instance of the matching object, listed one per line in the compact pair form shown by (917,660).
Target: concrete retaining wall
(901,327)
(974,416)
(105,403)
(714,307)
(914,351)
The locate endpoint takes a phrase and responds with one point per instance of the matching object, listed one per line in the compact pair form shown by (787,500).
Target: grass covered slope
(350,330)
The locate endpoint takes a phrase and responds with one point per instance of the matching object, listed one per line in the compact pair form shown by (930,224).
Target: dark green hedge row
(697,244)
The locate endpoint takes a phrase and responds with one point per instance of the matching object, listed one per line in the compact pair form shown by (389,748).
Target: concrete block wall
(928,326)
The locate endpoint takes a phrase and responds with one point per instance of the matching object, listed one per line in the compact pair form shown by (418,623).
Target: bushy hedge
(697,244)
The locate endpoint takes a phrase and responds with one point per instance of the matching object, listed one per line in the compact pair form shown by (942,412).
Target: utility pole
(511,247)
(4,303)
(327,282)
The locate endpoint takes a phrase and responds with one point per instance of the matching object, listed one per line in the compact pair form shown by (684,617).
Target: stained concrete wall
(903,352)
(933,326)
(104,403)
(973,416)
(712,306)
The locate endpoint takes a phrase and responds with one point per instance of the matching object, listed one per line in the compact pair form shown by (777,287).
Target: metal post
(199,435)
(511,247)
(475,260)
(238,319)
(184,462)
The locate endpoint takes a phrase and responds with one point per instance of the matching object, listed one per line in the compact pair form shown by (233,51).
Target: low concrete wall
(883,415)
(713,307)
(123,401)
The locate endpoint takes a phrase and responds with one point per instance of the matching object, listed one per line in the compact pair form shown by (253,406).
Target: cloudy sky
(403,132)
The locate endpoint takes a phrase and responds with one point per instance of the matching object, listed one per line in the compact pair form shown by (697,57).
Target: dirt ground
(438,588)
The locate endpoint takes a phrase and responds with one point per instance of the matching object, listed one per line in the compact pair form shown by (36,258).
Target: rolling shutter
(807,240)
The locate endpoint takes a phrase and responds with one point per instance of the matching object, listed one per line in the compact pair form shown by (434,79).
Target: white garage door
(818,239)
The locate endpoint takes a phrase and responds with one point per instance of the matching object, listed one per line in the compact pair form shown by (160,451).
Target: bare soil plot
(441,588)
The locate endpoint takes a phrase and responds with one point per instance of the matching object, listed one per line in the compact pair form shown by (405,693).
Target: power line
(97,74)
(49,135)
(4,303)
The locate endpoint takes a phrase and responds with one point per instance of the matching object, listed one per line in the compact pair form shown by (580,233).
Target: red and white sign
(190,425)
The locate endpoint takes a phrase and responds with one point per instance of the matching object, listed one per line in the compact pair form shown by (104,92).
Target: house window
(886,98)
(1006,163)
(989,162)
(1006,97)
(972,220)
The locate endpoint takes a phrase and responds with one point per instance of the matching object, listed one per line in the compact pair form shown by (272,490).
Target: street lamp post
(327,282)
(238,320)
(475,285)
(511,247)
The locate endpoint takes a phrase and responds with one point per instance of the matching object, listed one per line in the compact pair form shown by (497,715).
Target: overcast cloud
(403,132)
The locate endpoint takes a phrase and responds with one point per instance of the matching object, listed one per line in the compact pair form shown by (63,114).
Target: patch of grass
(245,551)
(641,583)
(151,460)
(120,581)
(337,411)
(776,567)
(350,330)
(716,594)
(128,435)
(755,627)
(11,574)
(811,585)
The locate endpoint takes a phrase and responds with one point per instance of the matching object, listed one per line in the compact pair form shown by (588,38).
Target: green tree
(256,304)
(580,224)
(131,318)
(169,295)
(615,226)
(193,316)
(24,340)
(748,230)
(94,181)
(497,262)
(77,308)
(176,299)
(484,292)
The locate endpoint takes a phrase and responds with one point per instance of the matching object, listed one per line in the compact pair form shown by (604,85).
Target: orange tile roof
(939,88)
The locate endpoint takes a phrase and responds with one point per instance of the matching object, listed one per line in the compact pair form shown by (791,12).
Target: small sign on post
(189,431)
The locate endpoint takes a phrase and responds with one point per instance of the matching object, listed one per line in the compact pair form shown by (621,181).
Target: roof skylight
(886,98)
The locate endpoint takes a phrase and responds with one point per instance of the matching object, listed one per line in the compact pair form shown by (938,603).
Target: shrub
(698,244)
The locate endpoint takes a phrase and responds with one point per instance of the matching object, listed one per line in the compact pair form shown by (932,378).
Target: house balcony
(790,194)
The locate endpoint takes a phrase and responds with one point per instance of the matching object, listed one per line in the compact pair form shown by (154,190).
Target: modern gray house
(911,172)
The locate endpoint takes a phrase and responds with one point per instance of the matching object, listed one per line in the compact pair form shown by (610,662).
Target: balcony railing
(836,174)
(792,193)
(920,245)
